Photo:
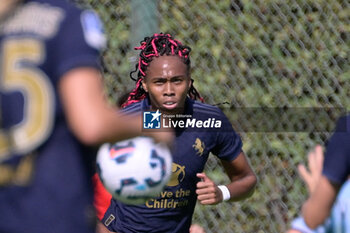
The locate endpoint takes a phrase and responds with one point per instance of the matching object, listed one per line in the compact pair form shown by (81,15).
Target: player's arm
(88,113)
(318,207)
(243,181)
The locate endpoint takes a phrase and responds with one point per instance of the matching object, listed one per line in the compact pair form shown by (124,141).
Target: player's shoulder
(207,109)
(63,4)
(343,124)
(79,20)
(341,135)
(133,108)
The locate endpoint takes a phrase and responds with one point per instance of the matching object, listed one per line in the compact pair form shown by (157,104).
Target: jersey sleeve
(337,157)
(102,198)
(228,142)
(79,41)
(300,225)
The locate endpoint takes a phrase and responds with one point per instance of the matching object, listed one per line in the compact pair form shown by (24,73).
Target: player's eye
(178,80)
(159,81)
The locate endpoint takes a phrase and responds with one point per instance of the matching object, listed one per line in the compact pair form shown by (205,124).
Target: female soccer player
(164,83)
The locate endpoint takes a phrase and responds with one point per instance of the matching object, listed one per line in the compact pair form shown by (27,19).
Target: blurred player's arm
(318,207)
(6,7)
(243,181)
(322,193)
(89,115)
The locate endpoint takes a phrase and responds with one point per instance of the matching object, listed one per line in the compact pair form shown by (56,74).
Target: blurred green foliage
(271,53)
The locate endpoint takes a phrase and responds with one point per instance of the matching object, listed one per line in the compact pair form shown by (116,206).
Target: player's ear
(144,85)
(189,76)
(190,82)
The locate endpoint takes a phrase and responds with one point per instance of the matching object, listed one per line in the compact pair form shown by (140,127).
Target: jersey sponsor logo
(199,146)
(172,198)
(93,29)
(36,19)
(151,120)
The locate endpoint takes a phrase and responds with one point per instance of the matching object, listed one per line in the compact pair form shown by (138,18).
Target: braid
(194,94)
(155,46)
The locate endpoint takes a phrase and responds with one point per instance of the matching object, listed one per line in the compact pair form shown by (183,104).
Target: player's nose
(169,89)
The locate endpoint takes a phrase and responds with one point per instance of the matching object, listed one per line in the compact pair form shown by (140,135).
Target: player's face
(167,82)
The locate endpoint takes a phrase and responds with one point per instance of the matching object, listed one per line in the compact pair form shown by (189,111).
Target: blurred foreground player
(52,107)
(335,172)
(164,83)
(339,219)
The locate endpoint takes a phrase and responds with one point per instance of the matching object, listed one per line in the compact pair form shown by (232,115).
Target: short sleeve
(79,41)
(300,225)
(228,142)
(337,157)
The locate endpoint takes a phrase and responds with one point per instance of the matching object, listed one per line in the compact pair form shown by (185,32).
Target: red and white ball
(134,170)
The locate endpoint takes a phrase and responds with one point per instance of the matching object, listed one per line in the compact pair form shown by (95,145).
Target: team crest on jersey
(199,146)
(93,29)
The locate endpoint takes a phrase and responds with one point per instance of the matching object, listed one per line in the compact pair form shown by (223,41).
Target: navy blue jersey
(44,179)
(172,210)
(337,158)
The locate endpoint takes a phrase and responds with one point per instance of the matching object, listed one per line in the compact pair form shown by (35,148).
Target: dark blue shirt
(337,158)
(172,211)
(44,178)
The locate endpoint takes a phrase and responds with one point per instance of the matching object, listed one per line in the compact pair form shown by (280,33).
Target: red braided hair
(155,46)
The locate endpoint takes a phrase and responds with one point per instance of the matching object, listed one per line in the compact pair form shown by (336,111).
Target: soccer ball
(134,170)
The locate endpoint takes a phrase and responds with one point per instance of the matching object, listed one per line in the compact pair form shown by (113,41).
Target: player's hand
(207,191)
(312,175)
(195,228)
